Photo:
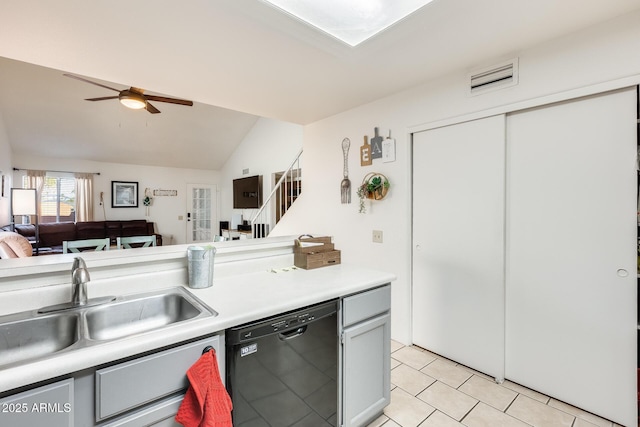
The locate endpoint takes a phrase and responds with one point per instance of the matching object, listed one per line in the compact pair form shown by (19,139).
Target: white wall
(6,171)
(269,147)
(164,211)
(602,53)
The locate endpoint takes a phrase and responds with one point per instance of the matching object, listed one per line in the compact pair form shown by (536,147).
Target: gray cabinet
(366,356)
(149,390)
(160,414)
(50,405)
(128,385)
(143,391)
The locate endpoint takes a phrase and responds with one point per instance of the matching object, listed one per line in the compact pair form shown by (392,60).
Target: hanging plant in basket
(374,187)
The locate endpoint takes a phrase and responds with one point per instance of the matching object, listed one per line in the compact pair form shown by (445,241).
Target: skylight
(351,21)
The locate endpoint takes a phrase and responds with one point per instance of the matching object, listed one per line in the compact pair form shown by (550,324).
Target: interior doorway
(201,212)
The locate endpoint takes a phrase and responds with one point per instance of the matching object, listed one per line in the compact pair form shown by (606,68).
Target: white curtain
(84,197)
(35,179)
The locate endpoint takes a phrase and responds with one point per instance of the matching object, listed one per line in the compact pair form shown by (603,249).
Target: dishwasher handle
(284,336)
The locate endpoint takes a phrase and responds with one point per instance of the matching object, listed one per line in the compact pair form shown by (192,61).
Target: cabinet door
(50,405)
(131,384)
(458,233)
(571,269)
(161,414)
(366,359)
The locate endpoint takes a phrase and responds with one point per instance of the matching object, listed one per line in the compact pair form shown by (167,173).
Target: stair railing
(288,188)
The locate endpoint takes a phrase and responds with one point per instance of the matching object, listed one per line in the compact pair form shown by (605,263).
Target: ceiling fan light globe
(133,101)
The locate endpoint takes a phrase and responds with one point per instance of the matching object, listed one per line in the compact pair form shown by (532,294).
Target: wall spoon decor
(345,185)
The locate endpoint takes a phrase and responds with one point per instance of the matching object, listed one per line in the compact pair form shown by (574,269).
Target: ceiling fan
(133,97)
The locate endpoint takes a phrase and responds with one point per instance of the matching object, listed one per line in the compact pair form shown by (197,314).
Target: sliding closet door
(458,237)
(571,260)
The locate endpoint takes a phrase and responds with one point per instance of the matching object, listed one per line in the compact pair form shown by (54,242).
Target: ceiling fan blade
(90,82)
(150,108)
(169,100)
(102,98)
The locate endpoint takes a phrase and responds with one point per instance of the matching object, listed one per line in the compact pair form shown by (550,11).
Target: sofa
(13,245)
(53,234)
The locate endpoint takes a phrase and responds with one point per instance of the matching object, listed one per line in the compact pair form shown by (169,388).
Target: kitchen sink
(23,338)
(142,313)
(29,336)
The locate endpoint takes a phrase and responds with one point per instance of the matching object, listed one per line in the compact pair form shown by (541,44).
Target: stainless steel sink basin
(141,313)
(29,336)
(23,339)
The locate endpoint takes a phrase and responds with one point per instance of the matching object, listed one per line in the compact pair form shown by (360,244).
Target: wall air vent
(496,77)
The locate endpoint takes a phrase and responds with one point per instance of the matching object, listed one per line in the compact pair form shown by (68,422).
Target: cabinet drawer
(49,405)
(159,414)
(365,305)
(125,386)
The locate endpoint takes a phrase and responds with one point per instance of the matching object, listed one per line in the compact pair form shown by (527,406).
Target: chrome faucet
(79,279)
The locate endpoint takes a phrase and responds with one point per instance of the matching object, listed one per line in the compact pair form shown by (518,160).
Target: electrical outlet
(377,236)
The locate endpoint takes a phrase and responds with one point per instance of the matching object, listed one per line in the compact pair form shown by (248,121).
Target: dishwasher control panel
(282,323)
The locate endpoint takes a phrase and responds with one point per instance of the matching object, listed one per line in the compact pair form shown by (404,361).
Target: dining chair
(77,246)
(135,242)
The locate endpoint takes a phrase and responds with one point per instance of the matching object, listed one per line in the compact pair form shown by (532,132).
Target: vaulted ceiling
(238,60)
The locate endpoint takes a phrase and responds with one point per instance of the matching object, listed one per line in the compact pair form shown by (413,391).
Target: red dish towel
(207,403)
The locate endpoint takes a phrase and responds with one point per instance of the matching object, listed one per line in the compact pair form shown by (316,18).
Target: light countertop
(238,299)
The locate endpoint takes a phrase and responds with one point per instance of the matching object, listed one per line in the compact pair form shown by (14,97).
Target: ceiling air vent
(493,78)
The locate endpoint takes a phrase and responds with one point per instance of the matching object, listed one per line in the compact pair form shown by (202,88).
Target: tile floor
(428,390)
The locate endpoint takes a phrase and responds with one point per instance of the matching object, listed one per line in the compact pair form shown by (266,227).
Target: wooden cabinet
(366,356)
(49,405)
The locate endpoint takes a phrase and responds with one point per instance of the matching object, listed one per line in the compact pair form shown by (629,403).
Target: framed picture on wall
(124,194)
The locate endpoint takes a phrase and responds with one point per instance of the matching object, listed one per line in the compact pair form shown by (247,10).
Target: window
(58,199)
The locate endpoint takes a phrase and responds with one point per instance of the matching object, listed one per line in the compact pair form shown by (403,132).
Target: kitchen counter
(237,299)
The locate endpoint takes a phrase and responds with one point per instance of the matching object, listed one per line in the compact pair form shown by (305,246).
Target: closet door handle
(622,272)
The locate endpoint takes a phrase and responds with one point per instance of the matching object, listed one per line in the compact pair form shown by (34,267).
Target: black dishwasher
(282,371)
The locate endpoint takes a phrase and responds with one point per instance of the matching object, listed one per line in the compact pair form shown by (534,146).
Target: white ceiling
(240,55)
(46,114)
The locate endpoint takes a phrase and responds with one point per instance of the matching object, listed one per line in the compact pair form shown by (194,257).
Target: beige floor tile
(448,400)
(526,391)
(395,345)
(407,410)
(394,363)
(379,421)
(538,414)
(488,392)
(478,373)
(424,350)
(410,380)
(483,415)
(413,357)
(579,413)
(582,423)
(447,373)
(438,419)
